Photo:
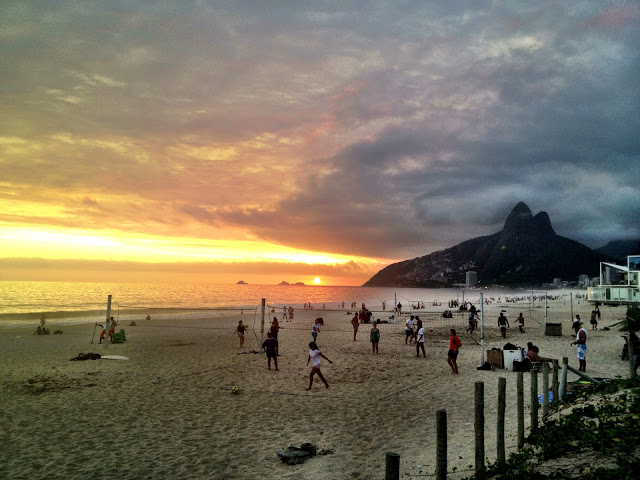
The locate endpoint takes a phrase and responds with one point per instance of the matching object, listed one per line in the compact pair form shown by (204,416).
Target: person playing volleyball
(240,329)
(314,358)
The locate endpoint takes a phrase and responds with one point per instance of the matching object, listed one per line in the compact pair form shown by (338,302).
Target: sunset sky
(288,140)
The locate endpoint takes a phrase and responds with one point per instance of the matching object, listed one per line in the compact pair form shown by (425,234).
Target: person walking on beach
(314,358)
(503,323)
(284,313)
(472,323)
(356,323)
(315,329)
(520,321)
(420,339)
(581,342)
(594,321)
(452,355)
(270,346)
(375,338)
(240,329)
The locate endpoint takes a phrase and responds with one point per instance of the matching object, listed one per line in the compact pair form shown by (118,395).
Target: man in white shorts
(581,342)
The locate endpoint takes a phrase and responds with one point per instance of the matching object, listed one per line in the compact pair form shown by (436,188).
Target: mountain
(527,251)
(620,249)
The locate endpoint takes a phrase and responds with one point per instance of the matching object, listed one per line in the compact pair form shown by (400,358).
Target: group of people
(111,325)
(414,330)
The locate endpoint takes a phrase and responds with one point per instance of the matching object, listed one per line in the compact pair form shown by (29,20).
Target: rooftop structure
(619,284)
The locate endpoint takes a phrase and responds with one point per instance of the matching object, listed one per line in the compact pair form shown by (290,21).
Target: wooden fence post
(632,364)
(534,401)
(441,451)
(556,398)
(392,467)
(479,429)
(563,378)
(520,390)
(502,401)
(545,389)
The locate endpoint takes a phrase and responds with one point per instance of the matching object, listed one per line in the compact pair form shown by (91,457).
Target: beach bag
(118,337)
(524,366)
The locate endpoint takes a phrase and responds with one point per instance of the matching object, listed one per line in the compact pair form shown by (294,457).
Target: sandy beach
(168,411)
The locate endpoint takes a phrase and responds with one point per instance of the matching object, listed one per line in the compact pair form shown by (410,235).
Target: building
(583,280)
(471,279)
(619,284)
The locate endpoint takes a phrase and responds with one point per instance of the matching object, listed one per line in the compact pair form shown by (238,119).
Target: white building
(583,280)
(471,279)
(618,283)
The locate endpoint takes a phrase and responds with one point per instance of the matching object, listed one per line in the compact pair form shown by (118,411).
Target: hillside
(526,251)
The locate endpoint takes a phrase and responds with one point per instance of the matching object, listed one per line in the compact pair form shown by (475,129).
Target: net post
(106,322)
(262,312)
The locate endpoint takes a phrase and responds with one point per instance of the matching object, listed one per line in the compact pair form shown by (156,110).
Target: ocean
(25,302)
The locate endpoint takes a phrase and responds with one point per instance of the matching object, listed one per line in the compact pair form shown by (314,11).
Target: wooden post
(563,379)
(502,401)
(584,375)
(632,365)
(556,398)
(392,467)
(441,452)
(545,389)
(482,329)
(534,401)
(479,429)
(520,389)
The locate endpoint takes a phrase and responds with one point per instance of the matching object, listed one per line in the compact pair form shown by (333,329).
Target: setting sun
(316,280)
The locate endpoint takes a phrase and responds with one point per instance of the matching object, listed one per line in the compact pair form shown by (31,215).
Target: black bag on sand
(524,366)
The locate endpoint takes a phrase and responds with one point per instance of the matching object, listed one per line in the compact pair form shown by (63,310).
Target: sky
(287,140)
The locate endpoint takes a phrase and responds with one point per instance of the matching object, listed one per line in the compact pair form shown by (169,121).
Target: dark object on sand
(41,331)
(86,356)
(57,332)
(293,455)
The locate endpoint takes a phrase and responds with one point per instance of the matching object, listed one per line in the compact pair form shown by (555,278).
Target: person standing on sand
(375,338)
(420,340)
(315,329)
(240,329)
(43,320)
(520,321)
(356,323)
(503,323)
(581,342)
(314,358)
(275,328)
(454,346)
(408,330)
(270,346)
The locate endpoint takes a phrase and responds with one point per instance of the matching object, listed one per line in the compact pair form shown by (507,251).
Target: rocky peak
(519,218)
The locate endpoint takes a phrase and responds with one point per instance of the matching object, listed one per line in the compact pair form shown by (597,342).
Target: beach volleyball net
(225,318)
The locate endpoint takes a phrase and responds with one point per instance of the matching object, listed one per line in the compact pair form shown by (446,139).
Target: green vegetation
(598,440)
(632,320)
